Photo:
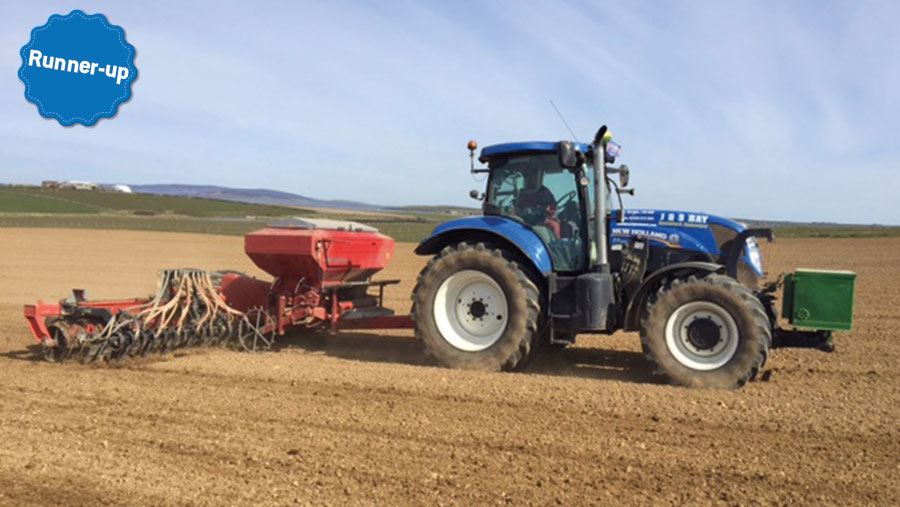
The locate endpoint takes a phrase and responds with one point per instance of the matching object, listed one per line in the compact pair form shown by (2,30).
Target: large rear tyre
(706,332)
(475,309)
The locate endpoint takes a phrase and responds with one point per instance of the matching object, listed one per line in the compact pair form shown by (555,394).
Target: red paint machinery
(322,279)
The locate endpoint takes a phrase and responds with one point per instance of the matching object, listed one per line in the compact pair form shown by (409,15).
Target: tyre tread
(448,257)
(727,376)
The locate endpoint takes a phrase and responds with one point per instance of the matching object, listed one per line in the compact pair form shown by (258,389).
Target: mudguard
(512,232)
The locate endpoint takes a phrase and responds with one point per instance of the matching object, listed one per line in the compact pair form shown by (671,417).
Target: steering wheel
(565,199)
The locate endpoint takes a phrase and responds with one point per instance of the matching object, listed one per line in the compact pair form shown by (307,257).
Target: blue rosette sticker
(77,68)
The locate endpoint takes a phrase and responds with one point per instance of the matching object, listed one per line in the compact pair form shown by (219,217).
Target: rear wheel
(475,309)
(706,332)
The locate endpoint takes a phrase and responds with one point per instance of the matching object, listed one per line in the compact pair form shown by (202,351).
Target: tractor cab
(548,187)
(528,183)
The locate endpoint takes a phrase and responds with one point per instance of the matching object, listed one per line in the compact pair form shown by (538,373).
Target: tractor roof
(525,147)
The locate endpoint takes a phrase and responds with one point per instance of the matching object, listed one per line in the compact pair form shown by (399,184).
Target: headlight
(754,255)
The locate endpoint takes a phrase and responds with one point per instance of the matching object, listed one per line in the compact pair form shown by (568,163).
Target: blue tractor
(553,256)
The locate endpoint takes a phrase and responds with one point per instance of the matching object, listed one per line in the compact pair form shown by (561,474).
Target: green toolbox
(819,299)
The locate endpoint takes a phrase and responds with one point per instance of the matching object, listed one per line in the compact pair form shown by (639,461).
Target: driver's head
(532,179)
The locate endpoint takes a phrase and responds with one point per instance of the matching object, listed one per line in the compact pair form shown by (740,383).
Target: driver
(536,200)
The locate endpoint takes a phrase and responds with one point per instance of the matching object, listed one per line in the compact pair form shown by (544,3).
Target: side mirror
(624,175)
(568,156)
(474,194)
(623,172)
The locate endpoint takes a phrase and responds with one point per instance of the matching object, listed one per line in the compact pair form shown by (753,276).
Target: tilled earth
(365,418)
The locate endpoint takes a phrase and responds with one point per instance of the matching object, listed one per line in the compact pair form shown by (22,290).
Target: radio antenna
(561,117)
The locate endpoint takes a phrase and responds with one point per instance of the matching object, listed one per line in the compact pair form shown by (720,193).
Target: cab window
(536,191)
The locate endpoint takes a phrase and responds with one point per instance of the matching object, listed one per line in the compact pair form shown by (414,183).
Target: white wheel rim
(470,310)
(686,351)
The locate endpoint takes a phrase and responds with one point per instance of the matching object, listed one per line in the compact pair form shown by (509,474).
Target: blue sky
(773,110)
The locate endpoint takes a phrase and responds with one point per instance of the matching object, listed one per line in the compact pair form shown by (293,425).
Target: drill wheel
(256,331)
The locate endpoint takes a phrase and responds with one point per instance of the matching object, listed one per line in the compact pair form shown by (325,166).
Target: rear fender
(519,239)
(652,282)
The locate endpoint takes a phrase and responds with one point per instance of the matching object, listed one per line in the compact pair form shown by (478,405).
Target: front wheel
(706,332)
(475,309)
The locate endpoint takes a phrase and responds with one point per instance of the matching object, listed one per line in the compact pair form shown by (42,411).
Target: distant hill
(753,222)
(428,208)
(251,195)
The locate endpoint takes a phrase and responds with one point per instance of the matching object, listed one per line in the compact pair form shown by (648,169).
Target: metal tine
(186,311)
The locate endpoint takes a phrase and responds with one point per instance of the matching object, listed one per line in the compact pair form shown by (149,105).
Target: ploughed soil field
(365,418)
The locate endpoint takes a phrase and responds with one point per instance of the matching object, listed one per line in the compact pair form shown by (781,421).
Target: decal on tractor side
(621,235)
(682,219)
